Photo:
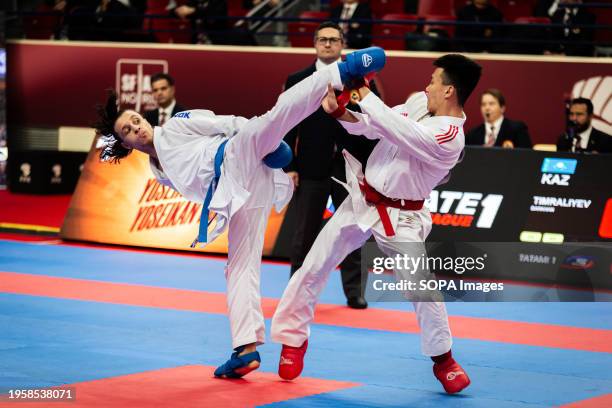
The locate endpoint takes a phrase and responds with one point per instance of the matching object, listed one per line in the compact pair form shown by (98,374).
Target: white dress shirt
(319,65)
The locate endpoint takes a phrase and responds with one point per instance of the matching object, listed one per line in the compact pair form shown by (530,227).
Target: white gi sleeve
(205,123)
(361,127)
(159,174)
(416,106)
(416,139)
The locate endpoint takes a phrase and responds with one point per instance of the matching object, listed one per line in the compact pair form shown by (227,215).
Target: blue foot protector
(236,362)
(360,63)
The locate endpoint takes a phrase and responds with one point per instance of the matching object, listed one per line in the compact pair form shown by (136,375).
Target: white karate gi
(415,153)
(186,146)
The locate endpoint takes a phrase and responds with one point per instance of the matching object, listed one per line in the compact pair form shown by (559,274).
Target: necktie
(577,143)
(345,16)
(162,118)
(490,137)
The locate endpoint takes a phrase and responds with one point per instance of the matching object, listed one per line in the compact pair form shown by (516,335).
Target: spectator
(497,130)
(102,20)
(318,142)
(209,20)
(163,93)
(251,4)
(80,20)
(478,38)
(580,135)
(357,34)
(568,40)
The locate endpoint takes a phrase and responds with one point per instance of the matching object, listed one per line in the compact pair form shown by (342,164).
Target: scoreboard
(526,196)
(539,216)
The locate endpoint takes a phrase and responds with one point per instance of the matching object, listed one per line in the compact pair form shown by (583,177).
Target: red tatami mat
(505,331)
(188,386)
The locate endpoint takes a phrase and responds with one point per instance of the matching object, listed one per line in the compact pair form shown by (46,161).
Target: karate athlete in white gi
(419,143)
(226,162)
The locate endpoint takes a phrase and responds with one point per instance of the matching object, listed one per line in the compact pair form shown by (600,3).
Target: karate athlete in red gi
(419,143)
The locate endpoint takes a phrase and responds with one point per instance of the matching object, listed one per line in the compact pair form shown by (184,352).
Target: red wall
(53,83)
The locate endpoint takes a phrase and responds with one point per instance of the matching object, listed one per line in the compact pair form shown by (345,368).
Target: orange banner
(124,204)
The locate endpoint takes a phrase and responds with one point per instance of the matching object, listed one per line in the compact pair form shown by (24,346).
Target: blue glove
(360,63)
(279,158)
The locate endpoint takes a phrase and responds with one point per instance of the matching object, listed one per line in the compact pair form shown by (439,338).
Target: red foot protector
(189,386)
(451,375)
(291,361)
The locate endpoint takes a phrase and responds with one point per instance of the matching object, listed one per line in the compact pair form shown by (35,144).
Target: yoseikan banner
(494,195)
(124,204)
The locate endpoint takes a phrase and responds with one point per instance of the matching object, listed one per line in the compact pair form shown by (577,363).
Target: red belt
(382,202)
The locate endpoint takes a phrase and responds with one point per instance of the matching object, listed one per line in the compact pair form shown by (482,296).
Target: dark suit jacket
(598,142)
(572,41)
(359,35)
(471,13)
(312,140)
(512,130)
(152,116)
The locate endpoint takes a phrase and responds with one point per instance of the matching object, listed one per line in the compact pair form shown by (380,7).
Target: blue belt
(204,223)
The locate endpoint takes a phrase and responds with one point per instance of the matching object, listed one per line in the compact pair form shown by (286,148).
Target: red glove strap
(343,100)
(338,112)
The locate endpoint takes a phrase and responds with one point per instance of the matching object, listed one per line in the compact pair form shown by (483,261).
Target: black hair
(461,72)
(328,24)
(583,101)
(105,128)
(496,93)
(161,75)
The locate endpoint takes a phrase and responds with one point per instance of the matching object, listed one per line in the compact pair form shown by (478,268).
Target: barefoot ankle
(248,348)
